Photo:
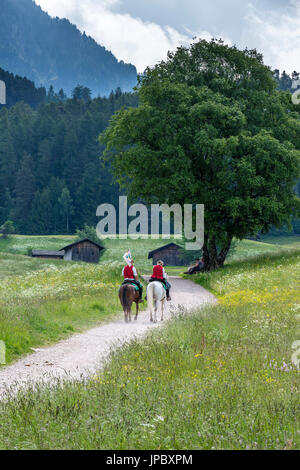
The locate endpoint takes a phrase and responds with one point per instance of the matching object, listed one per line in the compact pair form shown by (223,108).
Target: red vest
(128,272)
(158,272)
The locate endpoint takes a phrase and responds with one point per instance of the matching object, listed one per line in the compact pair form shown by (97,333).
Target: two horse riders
(159,274)
(130,275)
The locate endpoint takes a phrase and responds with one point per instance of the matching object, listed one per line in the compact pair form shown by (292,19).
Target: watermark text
(187,221)
(2,92)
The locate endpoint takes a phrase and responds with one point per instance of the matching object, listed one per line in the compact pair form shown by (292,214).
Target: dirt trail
(82,353)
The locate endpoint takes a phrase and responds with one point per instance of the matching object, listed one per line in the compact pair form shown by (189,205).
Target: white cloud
(277,35)
(129,38)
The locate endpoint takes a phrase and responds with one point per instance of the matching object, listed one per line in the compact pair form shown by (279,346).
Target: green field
(291,240)
(23,244)
(217,378)
(140,248)
(51,300)
(43,301)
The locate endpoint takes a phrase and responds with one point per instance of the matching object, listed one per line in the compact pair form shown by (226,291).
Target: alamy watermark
(296,344)
(296,349)
(296,354)
(188,221)
(296,94)
(2,353)
(2,92)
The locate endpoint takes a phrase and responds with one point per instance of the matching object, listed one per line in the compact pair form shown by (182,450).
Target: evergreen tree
(90,193)
(61,95)
(44,163)
(41,219)
(8,157)
(56,187)
(81,93)
(6,209)
(7,228)
(66,207)
(25,190)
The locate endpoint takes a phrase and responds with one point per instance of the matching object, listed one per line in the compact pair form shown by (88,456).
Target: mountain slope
(52,51)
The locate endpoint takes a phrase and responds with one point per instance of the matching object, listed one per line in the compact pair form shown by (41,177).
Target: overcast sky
(142,31)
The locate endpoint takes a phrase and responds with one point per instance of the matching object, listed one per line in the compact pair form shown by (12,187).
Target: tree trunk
(205,254)
(224,252)
(213,255)
(213,259)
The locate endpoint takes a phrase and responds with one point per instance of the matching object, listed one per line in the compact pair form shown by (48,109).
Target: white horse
(156,293)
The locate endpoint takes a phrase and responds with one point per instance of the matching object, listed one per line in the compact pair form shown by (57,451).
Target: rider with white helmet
(159,274)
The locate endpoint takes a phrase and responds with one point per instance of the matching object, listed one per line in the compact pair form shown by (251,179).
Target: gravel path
(82,353)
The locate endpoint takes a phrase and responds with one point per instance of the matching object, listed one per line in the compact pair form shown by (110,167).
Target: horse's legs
(151,312)
(152,306)
(150,303)
(137,309)
(162,308)
(125,316)
(155,311)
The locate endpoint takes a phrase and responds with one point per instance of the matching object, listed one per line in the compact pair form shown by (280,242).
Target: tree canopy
(211,129)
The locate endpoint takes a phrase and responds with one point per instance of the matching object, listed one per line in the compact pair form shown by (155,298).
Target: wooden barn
(171,255)
(83,250)
(48,254)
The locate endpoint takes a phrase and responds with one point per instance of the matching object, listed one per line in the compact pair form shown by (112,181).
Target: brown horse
(127,295)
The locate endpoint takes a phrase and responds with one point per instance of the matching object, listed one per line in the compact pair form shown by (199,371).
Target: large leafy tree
(211,128)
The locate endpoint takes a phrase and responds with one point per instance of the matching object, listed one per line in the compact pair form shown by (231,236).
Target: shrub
(7,228)
(88,232)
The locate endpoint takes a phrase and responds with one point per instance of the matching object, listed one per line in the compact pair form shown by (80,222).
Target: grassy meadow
(52,300)
(24,244)
(219,378)
(43,301)
(241,250)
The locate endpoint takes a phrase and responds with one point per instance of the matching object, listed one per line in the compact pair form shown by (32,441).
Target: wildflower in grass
(159,418)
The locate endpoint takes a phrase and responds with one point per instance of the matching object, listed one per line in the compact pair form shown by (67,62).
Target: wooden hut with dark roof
(171,255)
(83,250)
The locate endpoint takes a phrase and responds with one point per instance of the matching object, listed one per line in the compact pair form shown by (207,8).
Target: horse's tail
(150,294)
(124,298)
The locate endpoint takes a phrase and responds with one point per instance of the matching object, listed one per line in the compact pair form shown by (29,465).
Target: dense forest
(285,83)
(52,51)
(22,89)
(51,178)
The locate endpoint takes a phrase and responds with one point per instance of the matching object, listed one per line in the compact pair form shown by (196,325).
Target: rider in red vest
(159,274)
(131,276)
